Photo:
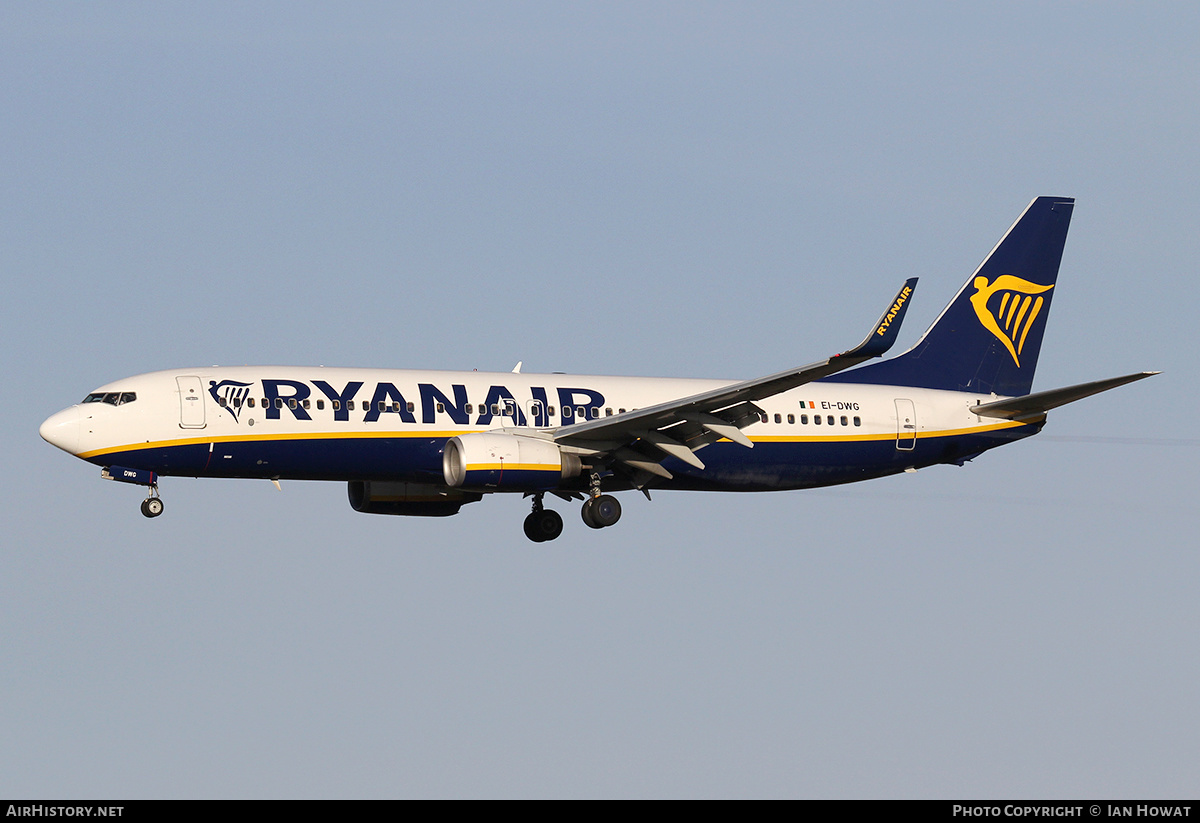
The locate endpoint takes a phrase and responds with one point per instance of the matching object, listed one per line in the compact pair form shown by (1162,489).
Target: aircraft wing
(640,440)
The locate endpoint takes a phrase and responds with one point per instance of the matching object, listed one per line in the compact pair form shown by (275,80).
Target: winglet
(887,329)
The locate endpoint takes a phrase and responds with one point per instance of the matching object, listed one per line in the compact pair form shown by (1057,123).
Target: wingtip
(887,329)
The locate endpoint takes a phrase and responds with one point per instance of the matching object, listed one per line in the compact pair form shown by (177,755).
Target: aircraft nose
(62,430)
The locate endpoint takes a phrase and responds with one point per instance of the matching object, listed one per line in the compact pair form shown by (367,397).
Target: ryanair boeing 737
(427,442)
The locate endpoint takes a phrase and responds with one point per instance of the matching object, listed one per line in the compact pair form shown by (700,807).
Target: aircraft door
(191,402)
(906,425)
(535,413)
(508,414)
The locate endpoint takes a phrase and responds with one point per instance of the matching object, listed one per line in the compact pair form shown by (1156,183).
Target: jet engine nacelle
(506,462)
(412,499)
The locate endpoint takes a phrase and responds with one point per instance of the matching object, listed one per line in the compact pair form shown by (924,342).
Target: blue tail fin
(988,339)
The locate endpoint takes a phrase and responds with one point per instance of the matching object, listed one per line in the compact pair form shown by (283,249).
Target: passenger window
(778,417)
(221,401)
(829,419)
(495,409)
(349,405)
(411,407)
(320,404)
(307,404)
(250,402)
(817,419)
(791,418)
(549,411)
(620,411)
(580,411)
(857,420)
(804,420)
(608,412)
(844,421)
(764,417)
(470,409)
(292,403)
(237,402)
(441,407)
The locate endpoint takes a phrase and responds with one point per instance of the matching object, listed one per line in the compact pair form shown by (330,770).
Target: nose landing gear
(152,506)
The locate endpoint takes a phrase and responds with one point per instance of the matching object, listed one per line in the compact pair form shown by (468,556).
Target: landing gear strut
(152,506)
(542,524)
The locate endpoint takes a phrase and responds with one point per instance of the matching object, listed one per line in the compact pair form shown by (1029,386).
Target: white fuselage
(360,424)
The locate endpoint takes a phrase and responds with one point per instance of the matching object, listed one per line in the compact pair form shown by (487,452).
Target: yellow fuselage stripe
(391,435)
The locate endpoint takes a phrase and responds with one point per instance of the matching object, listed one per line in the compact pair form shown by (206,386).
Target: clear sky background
(684,189)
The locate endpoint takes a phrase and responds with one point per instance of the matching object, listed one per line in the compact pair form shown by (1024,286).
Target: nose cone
(62,430)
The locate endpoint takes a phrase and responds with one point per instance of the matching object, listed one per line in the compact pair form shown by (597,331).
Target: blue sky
(707,190)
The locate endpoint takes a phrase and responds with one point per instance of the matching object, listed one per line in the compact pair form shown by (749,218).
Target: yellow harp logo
(1013,318)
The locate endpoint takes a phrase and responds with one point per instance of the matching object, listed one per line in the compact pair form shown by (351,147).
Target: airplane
(426,443)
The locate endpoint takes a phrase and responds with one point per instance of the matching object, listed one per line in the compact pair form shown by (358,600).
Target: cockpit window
(112,398)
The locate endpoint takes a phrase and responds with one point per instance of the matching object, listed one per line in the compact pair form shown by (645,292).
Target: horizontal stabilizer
(1034,405)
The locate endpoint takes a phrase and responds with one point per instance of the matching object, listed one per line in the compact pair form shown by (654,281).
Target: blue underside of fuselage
(770,465)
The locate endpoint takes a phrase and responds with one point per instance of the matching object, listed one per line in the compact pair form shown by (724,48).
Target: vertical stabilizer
(989,337)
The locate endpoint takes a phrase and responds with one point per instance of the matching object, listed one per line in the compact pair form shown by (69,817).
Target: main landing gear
(542,524)
(600,510)
(152,506)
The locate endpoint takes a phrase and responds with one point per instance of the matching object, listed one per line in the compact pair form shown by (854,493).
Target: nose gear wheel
(152,506)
